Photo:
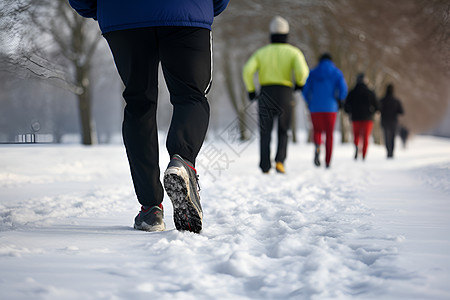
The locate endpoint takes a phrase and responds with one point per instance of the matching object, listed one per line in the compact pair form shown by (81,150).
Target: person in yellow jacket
(277,64)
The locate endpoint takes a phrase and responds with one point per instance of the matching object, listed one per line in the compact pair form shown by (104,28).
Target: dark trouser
(389,139)
(324,122)
(275,101)
(185,56)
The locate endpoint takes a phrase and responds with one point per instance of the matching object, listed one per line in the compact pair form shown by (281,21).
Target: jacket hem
(154,24)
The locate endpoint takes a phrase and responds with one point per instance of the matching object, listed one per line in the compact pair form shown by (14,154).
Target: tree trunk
(88,133)
(230,87)
(377,132)
(87,126)
(345,126)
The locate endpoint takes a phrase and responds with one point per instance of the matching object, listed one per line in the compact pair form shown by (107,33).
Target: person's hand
(251,96)
(298,87)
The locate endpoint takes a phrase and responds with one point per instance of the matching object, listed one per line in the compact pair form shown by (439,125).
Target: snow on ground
(360,230)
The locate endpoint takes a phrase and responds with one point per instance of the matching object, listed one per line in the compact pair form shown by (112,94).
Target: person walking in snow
(361,104)
(403,131)
(275,64)
(142,34)
(391,108)
(324,92)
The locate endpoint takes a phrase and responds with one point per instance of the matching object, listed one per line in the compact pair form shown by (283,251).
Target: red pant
(324,122)
(362,129)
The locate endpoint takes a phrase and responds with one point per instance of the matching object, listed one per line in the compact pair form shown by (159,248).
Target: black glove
(298,87)
(252,96)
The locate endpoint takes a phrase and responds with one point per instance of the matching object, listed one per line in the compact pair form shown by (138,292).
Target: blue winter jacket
(324,87)
(115,15)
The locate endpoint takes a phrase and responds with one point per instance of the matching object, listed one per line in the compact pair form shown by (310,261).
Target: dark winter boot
(356,152)
(181,185)
(316,156)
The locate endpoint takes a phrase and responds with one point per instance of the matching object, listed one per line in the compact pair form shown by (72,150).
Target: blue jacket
(115,15)
(324,87)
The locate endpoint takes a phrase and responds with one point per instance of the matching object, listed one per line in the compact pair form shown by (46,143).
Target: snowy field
(377,229)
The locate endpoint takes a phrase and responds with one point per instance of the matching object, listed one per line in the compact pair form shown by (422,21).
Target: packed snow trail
(358,230)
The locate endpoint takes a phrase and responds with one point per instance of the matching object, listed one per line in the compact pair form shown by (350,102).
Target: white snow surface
(377,229)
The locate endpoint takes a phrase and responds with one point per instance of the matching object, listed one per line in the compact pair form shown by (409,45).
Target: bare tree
(236,94)
(403,43)
(52,42)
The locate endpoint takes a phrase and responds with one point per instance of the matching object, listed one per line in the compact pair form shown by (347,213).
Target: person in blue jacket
(324,92)
(176,33)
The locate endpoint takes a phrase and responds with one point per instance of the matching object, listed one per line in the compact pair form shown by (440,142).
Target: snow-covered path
(360,230)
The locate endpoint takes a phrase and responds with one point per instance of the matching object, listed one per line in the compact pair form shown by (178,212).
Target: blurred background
(58,82)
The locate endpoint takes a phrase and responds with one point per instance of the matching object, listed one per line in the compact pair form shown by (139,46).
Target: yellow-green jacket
(275,64)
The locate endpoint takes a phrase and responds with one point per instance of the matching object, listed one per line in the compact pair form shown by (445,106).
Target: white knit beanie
(279,25)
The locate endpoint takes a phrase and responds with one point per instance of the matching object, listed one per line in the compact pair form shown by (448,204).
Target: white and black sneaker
(181,184)
(150,219)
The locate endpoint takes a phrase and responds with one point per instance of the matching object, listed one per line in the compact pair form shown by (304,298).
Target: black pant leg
(136,57)
(265,133)
(284,122)
(389,138)
(275,101)
(268,109)
(186,63)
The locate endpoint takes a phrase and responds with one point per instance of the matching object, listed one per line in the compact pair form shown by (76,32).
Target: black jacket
(391,107)
(361,103)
